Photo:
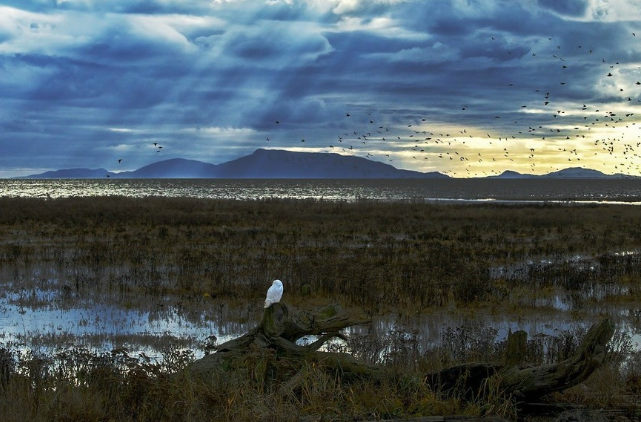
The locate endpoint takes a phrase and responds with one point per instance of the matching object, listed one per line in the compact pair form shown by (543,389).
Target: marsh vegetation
(208,263)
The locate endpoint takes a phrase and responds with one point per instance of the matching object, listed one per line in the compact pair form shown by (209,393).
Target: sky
(470,88)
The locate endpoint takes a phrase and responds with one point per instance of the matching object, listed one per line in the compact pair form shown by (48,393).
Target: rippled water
(592,190)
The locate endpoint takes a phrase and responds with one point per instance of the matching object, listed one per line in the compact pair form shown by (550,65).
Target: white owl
(274,293)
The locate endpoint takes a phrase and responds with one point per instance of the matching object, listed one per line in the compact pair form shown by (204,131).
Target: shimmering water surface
(539,190)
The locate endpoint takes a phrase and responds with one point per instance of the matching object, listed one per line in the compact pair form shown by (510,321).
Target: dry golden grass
(410,255)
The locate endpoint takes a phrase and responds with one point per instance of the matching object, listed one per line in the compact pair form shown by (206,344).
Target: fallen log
(529,383)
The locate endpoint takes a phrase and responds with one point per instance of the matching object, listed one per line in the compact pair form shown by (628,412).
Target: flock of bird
(564,136)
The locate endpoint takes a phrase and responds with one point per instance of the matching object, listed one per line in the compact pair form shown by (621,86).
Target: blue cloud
(568,7)
(274,44)
(95,78)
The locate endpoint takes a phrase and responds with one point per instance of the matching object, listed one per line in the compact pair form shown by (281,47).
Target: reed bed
(378,256)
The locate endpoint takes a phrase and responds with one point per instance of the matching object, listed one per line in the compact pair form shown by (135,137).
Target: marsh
(443,283)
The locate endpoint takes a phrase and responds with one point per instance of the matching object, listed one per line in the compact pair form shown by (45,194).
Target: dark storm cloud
(567,7)
(63,81)
(274,44)
(112,6)
(126,43)
(358,43)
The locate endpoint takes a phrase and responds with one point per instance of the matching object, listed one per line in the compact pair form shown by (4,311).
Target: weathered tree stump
(281,328)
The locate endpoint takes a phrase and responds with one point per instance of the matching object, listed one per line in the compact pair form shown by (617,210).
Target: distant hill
(579,173)
(300,165)
(509,174)
(177,168)
(261,164)
(77,173)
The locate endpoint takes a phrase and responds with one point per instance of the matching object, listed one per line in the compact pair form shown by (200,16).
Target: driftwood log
(529,383)
(281,328)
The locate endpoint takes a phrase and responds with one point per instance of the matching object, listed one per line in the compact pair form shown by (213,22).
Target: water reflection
(106,326)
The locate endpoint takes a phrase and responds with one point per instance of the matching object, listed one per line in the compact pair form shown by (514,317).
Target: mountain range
(261,164)
(568,173)
(280,164)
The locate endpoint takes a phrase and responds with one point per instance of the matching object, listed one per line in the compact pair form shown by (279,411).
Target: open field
(212,261)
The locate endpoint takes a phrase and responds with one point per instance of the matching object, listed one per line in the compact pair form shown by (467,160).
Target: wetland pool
(40,319)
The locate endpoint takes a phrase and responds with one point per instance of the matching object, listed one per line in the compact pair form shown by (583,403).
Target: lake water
(453,190)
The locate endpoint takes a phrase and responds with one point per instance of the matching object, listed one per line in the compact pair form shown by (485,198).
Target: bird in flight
(274,293)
